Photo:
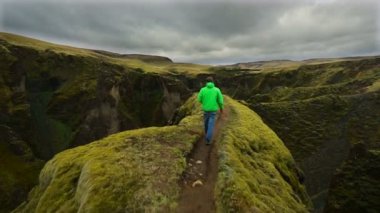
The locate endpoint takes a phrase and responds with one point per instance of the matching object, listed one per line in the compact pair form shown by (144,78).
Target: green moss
(5,95)
(305,124)
(81,85)
(256,171)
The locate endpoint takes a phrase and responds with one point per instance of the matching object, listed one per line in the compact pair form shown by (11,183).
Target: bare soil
(200,198)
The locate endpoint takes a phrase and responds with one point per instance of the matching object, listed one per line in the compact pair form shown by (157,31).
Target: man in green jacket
(211,99)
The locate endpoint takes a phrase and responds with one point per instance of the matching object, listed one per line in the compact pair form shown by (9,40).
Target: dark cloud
(204,32)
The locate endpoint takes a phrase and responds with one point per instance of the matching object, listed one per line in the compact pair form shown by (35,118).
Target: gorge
(302,135)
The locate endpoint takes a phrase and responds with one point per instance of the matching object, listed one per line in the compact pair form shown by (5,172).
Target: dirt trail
(201,197)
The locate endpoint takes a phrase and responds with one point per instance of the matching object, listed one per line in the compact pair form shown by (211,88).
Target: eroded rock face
(356,184)
(18,169)
(71,100)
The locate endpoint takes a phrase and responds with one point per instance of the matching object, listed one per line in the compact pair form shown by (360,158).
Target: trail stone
(197,183)
(198,162)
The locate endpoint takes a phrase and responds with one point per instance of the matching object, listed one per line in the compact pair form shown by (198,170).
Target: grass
(154,67)
(375,86)
(44,46)
(162,67)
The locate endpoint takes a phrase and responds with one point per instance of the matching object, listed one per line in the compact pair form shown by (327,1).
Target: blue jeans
(209,121)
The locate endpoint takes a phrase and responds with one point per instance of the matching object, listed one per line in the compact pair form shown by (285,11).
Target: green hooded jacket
(211,98)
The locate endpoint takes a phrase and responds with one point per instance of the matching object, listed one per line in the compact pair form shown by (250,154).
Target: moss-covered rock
(256,171)
(135,171)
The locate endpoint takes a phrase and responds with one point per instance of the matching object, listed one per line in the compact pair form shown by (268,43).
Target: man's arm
(200,96)
(220,100)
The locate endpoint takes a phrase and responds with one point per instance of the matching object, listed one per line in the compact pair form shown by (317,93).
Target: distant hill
(275,65)
(145,58)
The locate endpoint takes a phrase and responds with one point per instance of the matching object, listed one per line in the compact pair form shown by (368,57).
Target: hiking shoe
(207,142)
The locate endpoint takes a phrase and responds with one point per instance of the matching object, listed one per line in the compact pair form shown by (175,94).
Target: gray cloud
(196,31)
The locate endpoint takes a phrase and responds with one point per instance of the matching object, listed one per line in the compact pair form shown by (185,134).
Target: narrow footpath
(198,181)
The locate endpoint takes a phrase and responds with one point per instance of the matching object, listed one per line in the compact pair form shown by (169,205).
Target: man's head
(209,79)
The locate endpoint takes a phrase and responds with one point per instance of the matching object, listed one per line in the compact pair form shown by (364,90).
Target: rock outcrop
(135,171)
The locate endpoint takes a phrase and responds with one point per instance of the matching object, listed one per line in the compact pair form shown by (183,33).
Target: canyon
(301,136)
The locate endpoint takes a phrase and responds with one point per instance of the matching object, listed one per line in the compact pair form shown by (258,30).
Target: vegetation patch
(256,171)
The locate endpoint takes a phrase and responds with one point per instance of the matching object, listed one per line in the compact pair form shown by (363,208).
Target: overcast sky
(200,31)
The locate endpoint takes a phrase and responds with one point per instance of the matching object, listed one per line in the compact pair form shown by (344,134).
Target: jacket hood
(210,85)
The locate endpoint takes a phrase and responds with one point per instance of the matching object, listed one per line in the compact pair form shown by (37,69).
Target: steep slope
(256,171)
(139,170)
(322,112)
(18,169)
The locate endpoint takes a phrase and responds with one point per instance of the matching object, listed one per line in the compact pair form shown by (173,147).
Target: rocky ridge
(138,170)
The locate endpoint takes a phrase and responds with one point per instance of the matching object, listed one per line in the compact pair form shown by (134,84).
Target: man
(211,99)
